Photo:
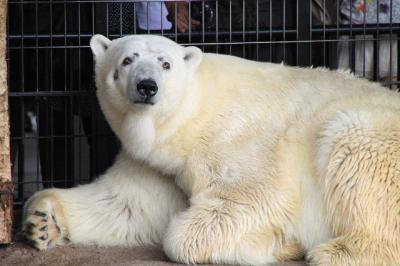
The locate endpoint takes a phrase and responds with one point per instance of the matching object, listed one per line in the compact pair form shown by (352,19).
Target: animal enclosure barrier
(59,137)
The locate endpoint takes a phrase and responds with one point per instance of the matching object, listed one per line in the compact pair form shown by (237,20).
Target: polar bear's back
(272,75)
(296,87)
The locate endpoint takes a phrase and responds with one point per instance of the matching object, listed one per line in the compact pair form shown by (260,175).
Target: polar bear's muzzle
(146,90)
(143,84)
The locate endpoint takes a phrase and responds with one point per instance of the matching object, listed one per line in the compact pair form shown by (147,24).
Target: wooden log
(6,186)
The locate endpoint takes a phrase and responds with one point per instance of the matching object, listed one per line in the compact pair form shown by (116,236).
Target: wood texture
(6,187)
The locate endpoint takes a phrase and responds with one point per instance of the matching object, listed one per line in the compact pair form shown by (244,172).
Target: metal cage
(59,136)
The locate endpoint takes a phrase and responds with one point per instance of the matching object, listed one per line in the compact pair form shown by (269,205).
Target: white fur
(138,135)
(274,160)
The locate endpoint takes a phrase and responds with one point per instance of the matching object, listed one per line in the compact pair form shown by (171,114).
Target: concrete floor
(19,254)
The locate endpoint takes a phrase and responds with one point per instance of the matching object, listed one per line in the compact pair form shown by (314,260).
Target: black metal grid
(51,78)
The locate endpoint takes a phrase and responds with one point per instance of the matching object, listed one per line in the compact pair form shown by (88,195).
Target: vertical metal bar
(297,32)
(398,62)
(93,18)
(80,143)
(230,26)
(21,145)
(176,21)
(270,30)
(202,24)
(376,46)
(364,40)
(352,44)
(37,45)
(66,137)
(51,146)
(79,85)
(162,18)
(147,18)
(79,46)
(216,27)
(66,117)
(51,106)
(107,20)
(36,99)
(70,149)
(243,28)
(337,20)
(304,32)
(95,8)
(352,55)
(257,29)
(120,19)
(284,30)
(351,18)
(190,22)
(337,44)
(21,154)
(134,18)
(390,44)
(324,35)
(22,47)
(51,46)
(310,31)
(65,45)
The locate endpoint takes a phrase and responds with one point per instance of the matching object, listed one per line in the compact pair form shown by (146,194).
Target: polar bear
(226,160)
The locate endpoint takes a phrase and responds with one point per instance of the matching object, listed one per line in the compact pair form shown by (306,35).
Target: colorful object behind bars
(152,16)
(371,11)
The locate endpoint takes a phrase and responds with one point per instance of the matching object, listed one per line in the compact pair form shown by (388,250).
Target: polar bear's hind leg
(358,158)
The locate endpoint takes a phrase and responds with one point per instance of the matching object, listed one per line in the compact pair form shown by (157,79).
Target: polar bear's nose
(147,88)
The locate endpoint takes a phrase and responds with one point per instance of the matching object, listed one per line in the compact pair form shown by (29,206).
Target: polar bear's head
(142,73)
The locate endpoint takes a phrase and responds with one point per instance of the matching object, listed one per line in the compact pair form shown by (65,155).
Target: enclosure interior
(59,136)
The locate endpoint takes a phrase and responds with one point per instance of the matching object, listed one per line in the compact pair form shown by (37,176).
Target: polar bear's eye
(127,61)
(166,65)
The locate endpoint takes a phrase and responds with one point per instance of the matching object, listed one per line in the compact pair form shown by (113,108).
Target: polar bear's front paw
(42,227)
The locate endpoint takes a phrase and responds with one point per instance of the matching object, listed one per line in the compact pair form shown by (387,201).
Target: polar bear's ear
(192,57)
(99,44)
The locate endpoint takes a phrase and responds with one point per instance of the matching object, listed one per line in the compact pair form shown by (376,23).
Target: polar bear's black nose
(147,88)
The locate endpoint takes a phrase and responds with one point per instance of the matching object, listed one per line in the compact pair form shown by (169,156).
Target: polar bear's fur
(274,160)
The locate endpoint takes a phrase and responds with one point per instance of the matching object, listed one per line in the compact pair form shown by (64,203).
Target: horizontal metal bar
(50,93)
(166,34)
(43,182)
(50,137)
(227,43)
(83,1)
(356,28)
(369,29)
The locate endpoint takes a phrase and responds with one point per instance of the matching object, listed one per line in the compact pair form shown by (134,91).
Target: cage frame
(303,40)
